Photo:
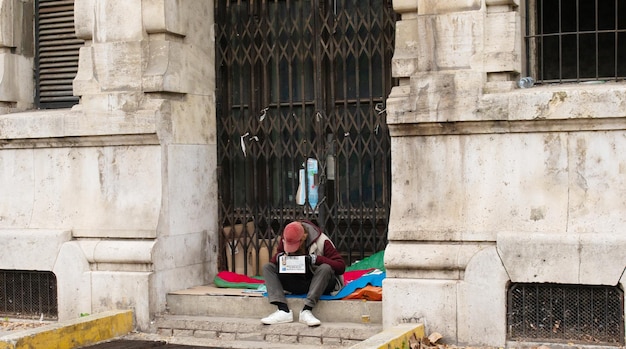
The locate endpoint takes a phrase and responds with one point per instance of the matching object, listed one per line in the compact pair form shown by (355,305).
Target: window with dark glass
(576,40)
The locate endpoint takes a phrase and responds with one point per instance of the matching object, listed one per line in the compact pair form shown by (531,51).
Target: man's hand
(310,259)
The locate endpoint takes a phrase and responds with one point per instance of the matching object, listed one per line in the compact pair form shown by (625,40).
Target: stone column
(493,184)
(442,266)
(118,192)
(146,82)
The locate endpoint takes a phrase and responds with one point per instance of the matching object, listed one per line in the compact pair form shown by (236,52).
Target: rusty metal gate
(302,133)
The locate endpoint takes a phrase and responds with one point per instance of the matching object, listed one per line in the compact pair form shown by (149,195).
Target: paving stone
(288,339)
(349,342)
(272,338)
(331,341)
(165,332)
(310,340)
(253,336)
(227,336)
(205,334)
(183,333)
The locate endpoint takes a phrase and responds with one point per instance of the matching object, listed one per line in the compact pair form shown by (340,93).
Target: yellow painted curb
(74,333)
(398,337)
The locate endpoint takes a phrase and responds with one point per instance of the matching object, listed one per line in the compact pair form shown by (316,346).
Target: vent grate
(573,313)
(28,294)
(57,53)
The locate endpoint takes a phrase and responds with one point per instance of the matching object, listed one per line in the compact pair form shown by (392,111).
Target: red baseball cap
(292,236)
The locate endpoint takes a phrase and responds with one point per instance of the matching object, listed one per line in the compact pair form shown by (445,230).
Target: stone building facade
(492,184)
(115,195)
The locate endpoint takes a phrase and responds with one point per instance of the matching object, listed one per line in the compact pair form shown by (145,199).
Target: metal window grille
(56,61)
(571,313)
(28,294)
(576,40)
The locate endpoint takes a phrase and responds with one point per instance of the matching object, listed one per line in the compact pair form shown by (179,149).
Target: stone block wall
(119,192)
(493,184)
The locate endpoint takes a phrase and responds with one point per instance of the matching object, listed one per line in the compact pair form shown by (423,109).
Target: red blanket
(228,279)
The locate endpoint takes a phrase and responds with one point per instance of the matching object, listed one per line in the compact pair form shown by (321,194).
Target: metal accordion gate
(301,124)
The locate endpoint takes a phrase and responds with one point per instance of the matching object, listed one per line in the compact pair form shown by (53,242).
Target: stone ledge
(73,333)
(502,127)
(31,249)
(564,258)
(63,123)
(396,337)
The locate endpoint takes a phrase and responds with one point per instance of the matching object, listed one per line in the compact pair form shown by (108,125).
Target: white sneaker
(278,317)
(307,317)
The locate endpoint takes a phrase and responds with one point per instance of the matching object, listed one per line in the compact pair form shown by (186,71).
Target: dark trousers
(314,283)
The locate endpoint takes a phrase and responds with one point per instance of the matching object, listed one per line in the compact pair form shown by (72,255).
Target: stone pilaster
(130,171)
(492,184)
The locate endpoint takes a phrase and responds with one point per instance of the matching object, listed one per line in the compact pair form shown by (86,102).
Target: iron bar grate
(28,294)
(576,40)
(573,313)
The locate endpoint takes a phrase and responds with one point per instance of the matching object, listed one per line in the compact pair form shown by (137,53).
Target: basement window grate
(581,314)
(28,294)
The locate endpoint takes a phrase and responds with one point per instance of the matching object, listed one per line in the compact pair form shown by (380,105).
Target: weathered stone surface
(431,302)
(163,16)
(32,249)
(439,7)
(502,2)
(566,258)
(432,261)
(482,303)
(74,293)
(134,160)
(405,6)
(405,58)
(478,162)
(122,290)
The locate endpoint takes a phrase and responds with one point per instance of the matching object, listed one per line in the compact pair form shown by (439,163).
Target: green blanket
(375,261)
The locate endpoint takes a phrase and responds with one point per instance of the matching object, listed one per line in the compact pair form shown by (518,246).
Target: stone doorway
(302,130)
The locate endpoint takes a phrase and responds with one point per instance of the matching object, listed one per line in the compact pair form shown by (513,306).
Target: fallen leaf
(434,337)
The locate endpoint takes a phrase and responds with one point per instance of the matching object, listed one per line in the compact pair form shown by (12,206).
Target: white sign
(292,264)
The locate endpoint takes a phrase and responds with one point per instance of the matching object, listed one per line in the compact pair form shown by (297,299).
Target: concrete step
(235,332)
(210,314)
(212,301)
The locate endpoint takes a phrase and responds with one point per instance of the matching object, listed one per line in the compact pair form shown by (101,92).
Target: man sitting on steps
(306,261)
